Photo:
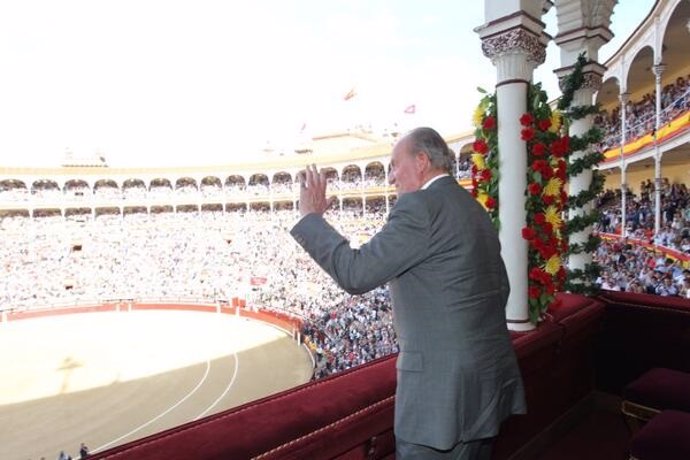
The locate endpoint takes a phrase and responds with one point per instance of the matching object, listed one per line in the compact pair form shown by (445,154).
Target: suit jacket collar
(442,182)
(433,179)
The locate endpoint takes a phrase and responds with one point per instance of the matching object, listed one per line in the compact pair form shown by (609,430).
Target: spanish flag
(350,94)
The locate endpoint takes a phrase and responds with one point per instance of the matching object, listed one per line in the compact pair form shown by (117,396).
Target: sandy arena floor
(108,378)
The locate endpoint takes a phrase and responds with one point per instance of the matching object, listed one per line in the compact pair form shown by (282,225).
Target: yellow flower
(553,187)
(478,116)
(478,160)
(552,265)
(553,216)
(482,197)
(555,121)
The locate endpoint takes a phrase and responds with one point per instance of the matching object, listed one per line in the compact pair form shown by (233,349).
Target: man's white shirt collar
(432,180)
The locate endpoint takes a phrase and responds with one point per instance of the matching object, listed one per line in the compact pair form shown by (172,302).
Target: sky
(203,82)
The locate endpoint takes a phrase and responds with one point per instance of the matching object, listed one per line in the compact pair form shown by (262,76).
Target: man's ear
(422,161)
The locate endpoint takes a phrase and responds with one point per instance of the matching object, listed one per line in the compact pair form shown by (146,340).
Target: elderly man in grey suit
(457,374)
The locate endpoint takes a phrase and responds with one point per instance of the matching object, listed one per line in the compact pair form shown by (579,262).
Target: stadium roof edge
(376,152)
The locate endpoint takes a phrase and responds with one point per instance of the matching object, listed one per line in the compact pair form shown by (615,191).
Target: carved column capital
(512,41)
(515,53)
(658,70)
(592,72)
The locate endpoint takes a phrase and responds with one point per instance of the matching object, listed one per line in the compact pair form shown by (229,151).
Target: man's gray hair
(429,141)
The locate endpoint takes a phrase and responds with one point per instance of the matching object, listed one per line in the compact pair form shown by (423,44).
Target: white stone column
(658,70)
(573,40)
(593,73)
(580,182)
(515,51)
(624,97)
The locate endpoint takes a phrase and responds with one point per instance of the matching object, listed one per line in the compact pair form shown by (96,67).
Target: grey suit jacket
(458,377)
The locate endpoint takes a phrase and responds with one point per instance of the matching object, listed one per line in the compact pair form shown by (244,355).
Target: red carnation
(533,292)
(537,274)
(546,173)
(564,197)
(538,150)
(548,200)
(534,189)
(561,275)
(490,203)
(559,147)
(544,124)
(480,146)
(536,243)
(534,274)
(489,123)
(485,175)
(548,251)
(539,165)
(527,134)
(526,119)
(553,241)
(528,233)
(539,218)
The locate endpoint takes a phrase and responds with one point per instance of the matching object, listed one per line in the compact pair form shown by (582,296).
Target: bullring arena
(110,374)
(117,302)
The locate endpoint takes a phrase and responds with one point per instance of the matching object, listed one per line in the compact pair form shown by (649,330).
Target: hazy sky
(183,82)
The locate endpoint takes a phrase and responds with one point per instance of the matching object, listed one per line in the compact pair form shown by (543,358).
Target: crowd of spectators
(633,268)
(641,114)
(212,256)
(637,268)
(207,256)
(674,232)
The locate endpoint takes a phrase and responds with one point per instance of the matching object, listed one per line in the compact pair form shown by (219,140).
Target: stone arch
(259,179)
(351,176)
(186,182)
(235,181)
(160,183)
(374,173)
(675,48)
(464,170)
(45,185)
(77,187)
(211,181)
(281,177)
(12,184)
(105,183)
(133,188)
(674,29)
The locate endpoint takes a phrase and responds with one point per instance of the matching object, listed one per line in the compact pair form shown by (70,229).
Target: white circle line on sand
(162,414)
(227,388)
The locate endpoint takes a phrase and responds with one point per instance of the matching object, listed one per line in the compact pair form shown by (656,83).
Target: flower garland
(545,195)
(548,150)
(485,172)
(546,201)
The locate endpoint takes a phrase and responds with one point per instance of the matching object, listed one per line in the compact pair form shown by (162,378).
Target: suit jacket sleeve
(401,244)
